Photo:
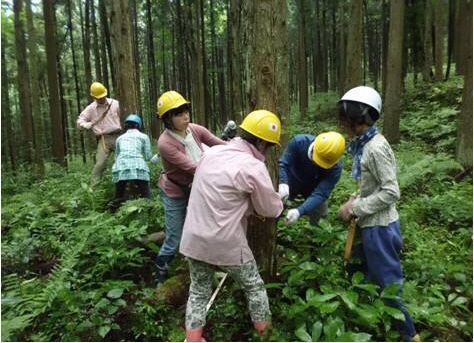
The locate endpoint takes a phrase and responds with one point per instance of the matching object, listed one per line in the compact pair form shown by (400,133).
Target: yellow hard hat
(168,101)
(263,124)
(98,90)
(328,148)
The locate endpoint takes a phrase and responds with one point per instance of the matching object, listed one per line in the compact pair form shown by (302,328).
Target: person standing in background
(102,116)
(132,150)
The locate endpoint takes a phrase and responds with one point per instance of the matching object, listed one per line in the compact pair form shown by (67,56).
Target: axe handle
(350,240)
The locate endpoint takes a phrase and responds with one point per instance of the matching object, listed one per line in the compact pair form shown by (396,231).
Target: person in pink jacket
(231,183)
(180,147)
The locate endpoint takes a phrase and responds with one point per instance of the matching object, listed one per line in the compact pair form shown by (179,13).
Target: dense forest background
(72,271)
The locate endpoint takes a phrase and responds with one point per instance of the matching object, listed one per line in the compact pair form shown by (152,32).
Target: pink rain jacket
(231,182)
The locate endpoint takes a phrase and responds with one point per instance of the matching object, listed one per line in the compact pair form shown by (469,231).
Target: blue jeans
(175,213)
(379,256)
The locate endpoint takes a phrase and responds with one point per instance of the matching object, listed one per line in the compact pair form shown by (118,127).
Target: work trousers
(175,213)
(200,291)
(379,256)
(105,145)
(121,186)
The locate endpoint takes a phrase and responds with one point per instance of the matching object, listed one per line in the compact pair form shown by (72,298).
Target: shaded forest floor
(73,271)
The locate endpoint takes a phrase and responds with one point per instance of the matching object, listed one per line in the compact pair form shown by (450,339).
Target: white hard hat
(365,95)
(231,125)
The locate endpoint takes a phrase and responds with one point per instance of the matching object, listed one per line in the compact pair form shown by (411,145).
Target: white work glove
(87,125)
(292,216)
(283,191)
(155,159)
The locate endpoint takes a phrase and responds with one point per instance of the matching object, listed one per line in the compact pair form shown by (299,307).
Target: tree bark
(76,81)
(23,77)
(35,63)
(428,42)
(393,89)
(268,81)
(302,60)
(123,60)
(53,84)
(439,22)
(354,47)
(234,19)
(6,112)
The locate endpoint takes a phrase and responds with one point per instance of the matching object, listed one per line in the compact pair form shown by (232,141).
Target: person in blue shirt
(310,167)
(132,150)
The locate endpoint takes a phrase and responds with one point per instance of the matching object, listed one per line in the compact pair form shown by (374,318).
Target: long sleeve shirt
(177,165)
(93,112)
(132,149)
(304,177)
(230,184)
(379,191)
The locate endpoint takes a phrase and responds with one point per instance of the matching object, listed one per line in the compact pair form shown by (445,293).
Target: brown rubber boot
(263,328)
(194,335)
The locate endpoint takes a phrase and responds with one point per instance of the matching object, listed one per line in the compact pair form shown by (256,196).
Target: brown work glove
(345,212)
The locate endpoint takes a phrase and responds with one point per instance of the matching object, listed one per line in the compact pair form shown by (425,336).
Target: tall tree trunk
(95,45)
(136,52)
(464,136)
(35,96)
(428,42)
(23,77)
(53,85)
(76,80)
(153,80)
(354,47)
(393,89)
(122,52)
(235,59)
(268,71)
(461,49)
(6,111)
(451,23)
(107,47)
(439,22)
(302,60)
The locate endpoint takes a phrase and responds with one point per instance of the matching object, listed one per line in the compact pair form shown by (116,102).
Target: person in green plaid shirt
(132,150)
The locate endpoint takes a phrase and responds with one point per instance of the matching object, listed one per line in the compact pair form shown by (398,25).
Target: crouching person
(231,182)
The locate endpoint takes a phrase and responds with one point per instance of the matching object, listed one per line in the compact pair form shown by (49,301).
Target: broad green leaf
(329,307)
(317,330)
(308,266)
(115,293)
(302,334)
(346,298)
(104,330)
(354,337)
(395,313)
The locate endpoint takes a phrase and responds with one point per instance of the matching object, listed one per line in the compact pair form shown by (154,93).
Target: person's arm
(147,148)
(322,191)
(381,165)
(255,180)
(286,160)
(173,155)
(84,119)
(207,137)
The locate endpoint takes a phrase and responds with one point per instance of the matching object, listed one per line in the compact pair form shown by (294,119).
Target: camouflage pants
(201,289)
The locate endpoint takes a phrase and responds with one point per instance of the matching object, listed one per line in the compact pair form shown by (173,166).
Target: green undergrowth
(74,271)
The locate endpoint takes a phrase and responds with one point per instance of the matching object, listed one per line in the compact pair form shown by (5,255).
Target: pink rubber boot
(194,335)
(262,328)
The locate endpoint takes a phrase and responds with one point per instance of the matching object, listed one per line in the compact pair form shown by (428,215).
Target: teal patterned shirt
(132,150)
